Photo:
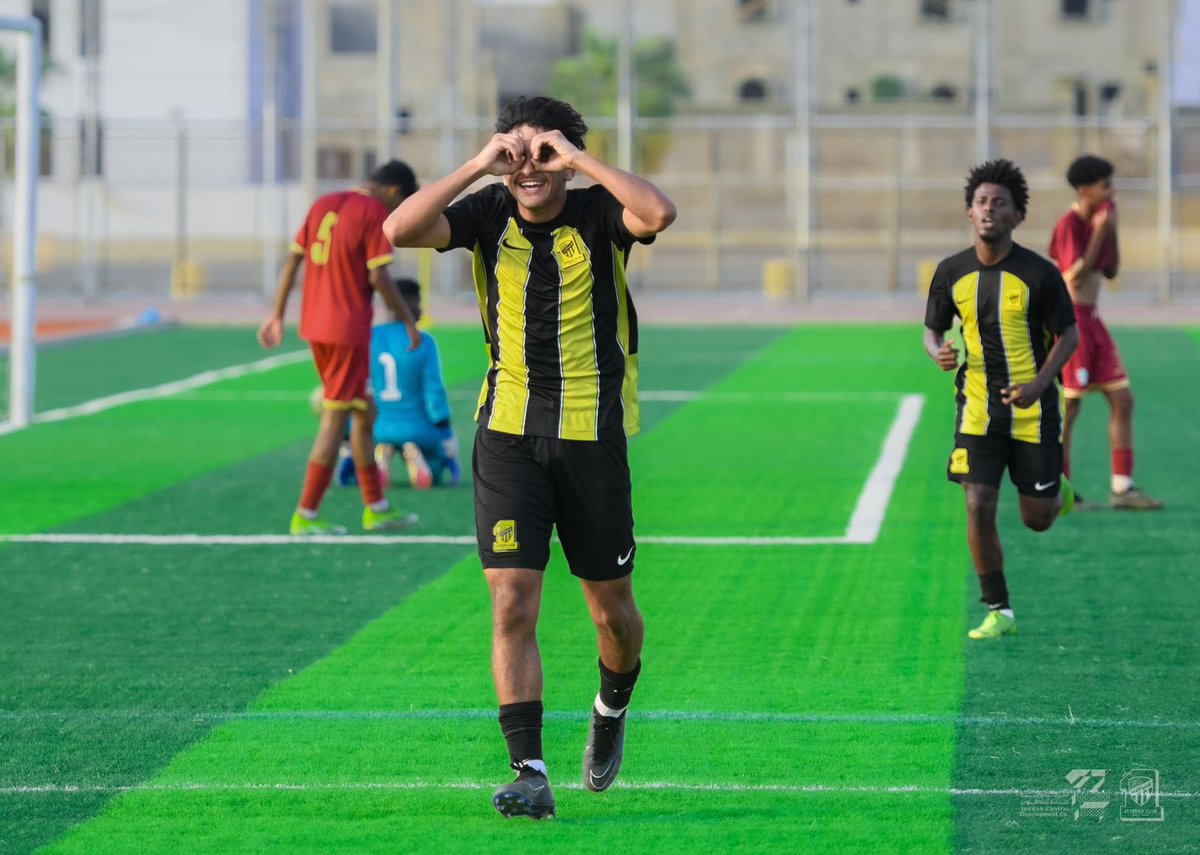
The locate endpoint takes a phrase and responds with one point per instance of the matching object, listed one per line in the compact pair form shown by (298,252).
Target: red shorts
(345,371)
(1095,364)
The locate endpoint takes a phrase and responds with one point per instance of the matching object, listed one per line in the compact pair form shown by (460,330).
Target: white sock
(306,513)
(380,506)
(1006,612)
(605,710)
(538,765)
(1121,483)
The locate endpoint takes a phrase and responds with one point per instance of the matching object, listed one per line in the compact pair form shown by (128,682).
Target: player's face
(1096,194)
(993,213)
(540,195)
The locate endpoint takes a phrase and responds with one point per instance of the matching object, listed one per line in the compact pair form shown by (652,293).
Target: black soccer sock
(616,689)
(994,591)
(521,725)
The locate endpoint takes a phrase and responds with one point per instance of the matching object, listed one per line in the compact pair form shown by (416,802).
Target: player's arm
(270,332)
(420,219)
(382,282)
(940,349)
(1110,272)
(1027,394)
(1104,224)
(647,209)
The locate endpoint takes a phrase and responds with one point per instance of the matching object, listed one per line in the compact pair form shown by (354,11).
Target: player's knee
(1038,519)
(512,613)
(617,620)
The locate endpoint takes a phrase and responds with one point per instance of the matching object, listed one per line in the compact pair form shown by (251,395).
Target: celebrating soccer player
(558,402)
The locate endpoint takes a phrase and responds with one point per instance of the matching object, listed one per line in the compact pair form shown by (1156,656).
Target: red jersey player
(1084,246)
(346,256)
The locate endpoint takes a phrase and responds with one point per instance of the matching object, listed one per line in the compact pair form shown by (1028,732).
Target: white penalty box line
(632,785)
(863,528)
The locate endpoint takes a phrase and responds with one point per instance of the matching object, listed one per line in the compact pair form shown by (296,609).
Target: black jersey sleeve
(939,307)
(1060,312)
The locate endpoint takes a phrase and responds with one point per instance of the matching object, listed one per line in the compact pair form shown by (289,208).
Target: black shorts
(1035,468)
(527,485)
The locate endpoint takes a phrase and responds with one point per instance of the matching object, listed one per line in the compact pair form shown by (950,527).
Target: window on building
(89,28)
(752,90)
(1081,99)
(1109,93)
(352,27)
(1075,8)
(40,9)
(753,11)
(943,93)
(335,163)
(935,10)
(853,95)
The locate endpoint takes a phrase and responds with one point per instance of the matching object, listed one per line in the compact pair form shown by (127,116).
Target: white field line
(634,785)
(864,525)
(872,503)
(488,715)
(175,387)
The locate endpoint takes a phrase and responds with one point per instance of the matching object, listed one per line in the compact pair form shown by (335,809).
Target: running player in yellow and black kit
(558,402)
(1018,330)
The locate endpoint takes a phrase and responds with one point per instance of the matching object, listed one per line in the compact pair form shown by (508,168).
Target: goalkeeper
(413,422)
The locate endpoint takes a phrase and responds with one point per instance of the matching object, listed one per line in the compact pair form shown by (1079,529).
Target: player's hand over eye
(504,154)
(553,152)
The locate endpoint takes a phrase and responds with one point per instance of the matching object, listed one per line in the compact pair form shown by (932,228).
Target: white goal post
(24,232)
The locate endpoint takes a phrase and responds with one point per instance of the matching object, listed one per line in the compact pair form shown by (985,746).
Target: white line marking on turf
(374,540)
(877,493)
(354,786)
(165,390)
(863,529)
(728,717)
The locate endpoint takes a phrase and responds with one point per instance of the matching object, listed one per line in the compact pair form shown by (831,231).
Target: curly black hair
(1088,170)
(542,112)
(1006,174)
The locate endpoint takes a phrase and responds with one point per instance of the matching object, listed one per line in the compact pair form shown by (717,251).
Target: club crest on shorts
(958,462)
(504,533)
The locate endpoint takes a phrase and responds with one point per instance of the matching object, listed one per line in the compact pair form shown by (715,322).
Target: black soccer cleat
(529,795)
(602,755)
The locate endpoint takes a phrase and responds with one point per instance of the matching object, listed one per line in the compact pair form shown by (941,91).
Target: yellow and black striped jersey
(1011,313)
(557,314)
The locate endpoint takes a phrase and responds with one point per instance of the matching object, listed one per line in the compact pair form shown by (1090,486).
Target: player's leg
(596,528)
(1125,496)
(378,514)
(1036,469)
(977,462)
(321,459)
(514,515)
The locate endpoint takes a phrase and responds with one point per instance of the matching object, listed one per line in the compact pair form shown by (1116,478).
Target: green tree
(588,80)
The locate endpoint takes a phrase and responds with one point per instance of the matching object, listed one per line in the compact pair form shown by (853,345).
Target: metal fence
(794,201)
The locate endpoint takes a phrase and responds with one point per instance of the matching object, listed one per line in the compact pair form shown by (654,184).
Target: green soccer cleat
(1068,497)
(389,520)
(994,626)
(304,527)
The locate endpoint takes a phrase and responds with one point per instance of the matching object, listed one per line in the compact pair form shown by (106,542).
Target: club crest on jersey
(505,534)
(958,462)
(1014,300)
(569,250)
